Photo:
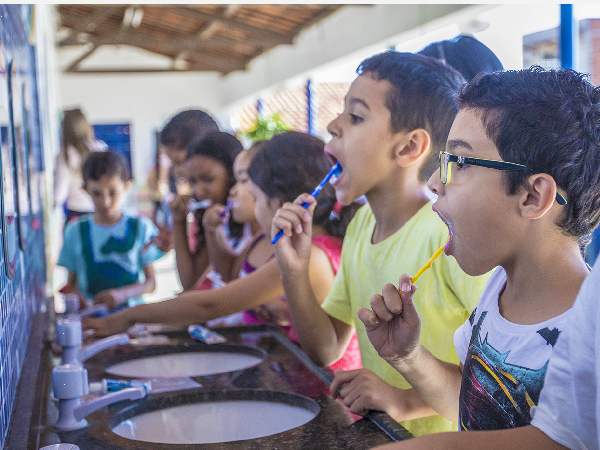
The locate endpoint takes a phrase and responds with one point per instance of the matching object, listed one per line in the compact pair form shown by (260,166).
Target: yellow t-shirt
(445,297)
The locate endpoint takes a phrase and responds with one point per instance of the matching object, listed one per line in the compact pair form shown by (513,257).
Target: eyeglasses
(446,160)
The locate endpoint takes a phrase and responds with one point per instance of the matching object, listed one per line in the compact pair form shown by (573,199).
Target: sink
(184,360)
(207,417)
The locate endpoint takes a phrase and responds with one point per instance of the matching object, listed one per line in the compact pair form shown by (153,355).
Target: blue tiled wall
(22,296)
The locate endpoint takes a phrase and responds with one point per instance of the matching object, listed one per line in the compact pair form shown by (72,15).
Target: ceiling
(221,38)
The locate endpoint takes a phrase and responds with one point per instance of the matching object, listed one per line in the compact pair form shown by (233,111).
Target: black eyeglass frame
(449,158)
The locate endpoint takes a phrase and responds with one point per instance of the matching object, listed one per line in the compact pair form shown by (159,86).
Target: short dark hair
(185,126)
(218,145)
(548,121)
(292,163)
(465,54)
(423,95)
(107,163)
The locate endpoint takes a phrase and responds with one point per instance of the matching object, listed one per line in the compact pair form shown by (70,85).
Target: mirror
(20,154)
(9,200)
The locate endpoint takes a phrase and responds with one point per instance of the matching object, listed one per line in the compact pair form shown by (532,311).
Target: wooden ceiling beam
(327,10)
(269,38)
(89,23)
(173,47)
(75,64)
(192,68)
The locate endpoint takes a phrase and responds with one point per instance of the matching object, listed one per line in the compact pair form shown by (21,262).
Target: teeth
(336,174)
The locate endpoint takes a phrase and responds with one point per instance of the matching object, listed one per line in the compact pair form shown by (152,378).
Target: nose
(333,128)
(435,183)
(106,201)
(233,190)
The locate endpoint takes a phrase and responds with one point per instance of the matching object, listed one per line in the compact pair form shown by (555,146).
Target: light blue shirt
(108,256)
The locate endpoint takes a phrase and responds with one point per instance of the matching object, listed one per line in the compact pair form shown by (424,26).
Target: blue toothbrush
(335,171)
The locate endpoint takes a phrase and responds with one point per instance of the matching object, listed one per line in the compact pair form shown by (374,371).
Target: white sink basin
(231,416)
(185,362)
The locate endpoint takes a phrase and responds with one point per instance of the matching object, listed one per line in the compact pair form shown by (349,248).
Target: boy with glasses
(531,215)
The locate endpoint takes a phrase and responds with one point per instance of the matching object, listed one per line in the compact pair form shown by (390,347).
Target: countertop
(285,369)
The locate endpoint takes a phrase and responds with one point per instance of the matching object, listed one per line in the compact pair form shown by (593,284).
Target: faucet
(69,383)
(68,335)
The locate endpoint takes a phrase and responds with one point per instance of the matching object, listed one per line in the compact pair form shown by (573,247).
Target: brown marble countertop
(285,369)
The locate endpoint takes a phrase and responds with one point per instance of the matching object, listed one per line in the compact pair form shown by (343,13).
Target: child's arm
(361,390)
(394,328)
(198,306)
(116,297)
(321,336)
(190,267)
(74,289)
(220,254)
(522,438)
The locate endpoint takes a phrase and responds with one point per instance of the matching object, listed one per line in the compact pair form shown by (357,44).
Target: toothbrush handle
(316,191)
(304,205)
(277,236)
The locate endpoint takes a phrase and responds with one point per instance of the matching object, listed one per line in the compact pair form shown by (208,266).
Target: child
(109,254)
(241,202)
(396,119)
(566,413)
(181,129)
(531,221)
(77,142)
(465,54)
(174,139)
(289,164)
(227,265)
(209,164)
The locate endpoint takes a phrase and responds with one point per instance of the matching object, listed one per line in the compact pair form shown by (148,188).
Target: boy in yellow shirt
(396,119)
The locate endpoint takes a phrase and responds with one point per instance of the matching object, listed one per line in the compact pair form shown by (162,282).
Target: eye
(355,119)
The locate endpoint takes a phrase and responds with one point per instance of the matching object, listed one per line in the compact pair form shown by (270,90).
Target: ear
(539,197)
(128,184)
(412,147)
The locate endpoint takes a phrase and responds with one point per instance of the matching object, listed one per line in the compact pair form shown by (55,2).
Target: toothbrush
(335,172)
(428,264)
(202,204)
(225,212)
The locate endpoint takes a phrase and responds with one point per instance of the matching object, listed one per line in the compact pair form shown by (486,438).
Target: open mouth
(333,160)
(450,231)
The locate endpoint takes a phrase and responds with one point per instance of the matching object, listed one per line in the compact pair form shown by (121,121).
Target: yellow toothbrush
(428,264)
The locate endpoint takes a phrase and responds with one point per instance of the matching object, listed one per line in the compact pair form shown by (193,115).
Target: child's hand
(110,298)
(105,326)
(293,248)
(179,208)
(362,391)
(211,219)
(164,239)
(275,312)
(393,325)
(83,303)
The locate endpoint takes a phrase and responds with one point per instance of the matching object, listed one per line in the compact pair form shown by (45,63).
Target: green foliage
(265,128)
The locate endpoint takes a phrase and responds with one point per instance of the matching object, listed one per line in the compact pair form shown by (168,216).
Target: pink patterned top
(332,246)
